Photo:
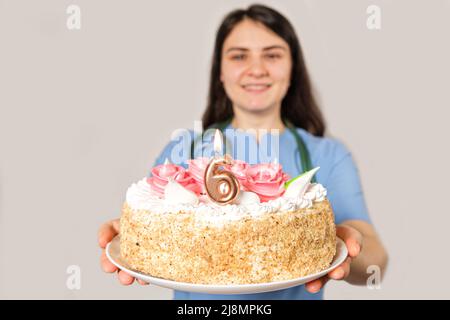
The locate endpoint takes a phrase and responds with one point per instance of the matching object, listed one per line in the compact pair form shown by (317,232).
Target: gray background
(84,114)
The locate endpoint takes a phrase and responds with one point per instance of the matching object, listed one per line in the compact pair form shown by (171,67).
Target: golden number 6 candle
(221,186)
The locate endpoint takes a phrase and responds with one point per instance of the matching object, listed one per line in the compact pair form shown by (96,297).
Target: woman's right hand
(106,233)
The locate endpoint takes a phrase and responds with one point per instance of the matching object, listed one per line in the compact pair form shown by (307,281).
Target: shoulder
(177,149)
(330,154)
(327,149)
(339,174)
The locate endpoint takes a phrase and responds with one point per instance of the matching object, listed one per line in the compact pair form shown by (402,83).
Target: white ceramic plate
(113,254)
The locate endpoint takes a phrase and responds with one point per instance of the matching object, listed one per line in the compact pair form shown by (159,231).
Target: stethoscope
(305,159)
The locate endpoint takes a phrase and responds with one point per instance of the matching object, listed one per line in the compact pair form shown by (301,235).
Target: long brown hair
(298,105)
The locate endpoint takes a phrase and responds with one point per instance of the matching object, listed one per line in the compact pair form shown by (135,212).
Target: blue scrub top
(338,174)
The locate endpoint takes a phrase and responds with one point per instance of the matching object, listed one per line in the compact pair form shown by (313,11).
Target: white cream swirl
(139,196)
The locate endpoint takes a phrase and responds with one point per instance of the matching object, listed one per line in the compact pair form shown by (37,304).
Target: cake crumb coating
(271,247)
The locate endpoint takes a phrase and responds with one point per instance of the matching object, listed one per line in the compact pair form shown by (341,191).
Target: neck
(256,121)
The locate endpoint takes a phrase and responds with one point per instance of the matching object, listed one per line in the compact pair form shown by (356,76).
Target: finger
(125,278)
(342,271)
(107,266)
(315,285)
(142,282)
(347,267)
(107,232)
(352,239)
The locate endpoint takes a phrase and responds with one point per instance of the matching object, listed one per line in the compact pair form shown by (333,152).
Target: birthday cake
(223,221)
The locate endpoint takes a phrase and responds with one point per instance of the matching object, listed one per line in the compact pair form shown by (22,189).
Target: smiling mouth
(256,87)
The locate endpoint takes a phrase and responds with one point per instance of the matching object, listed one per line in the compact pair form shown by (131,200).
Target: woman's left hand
(353,240)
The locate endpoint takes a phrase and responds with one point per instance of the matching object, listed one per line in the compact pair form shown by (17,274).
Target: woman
(259,81)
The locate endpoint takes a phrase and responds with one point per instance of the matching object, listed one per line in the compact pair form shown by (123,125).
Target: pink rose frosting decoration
(239,169)
(266,180)
(161,173)
(197,169)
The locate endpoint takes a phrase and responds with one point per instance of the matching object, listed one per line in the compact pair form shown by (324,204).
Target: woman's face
(255,67)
